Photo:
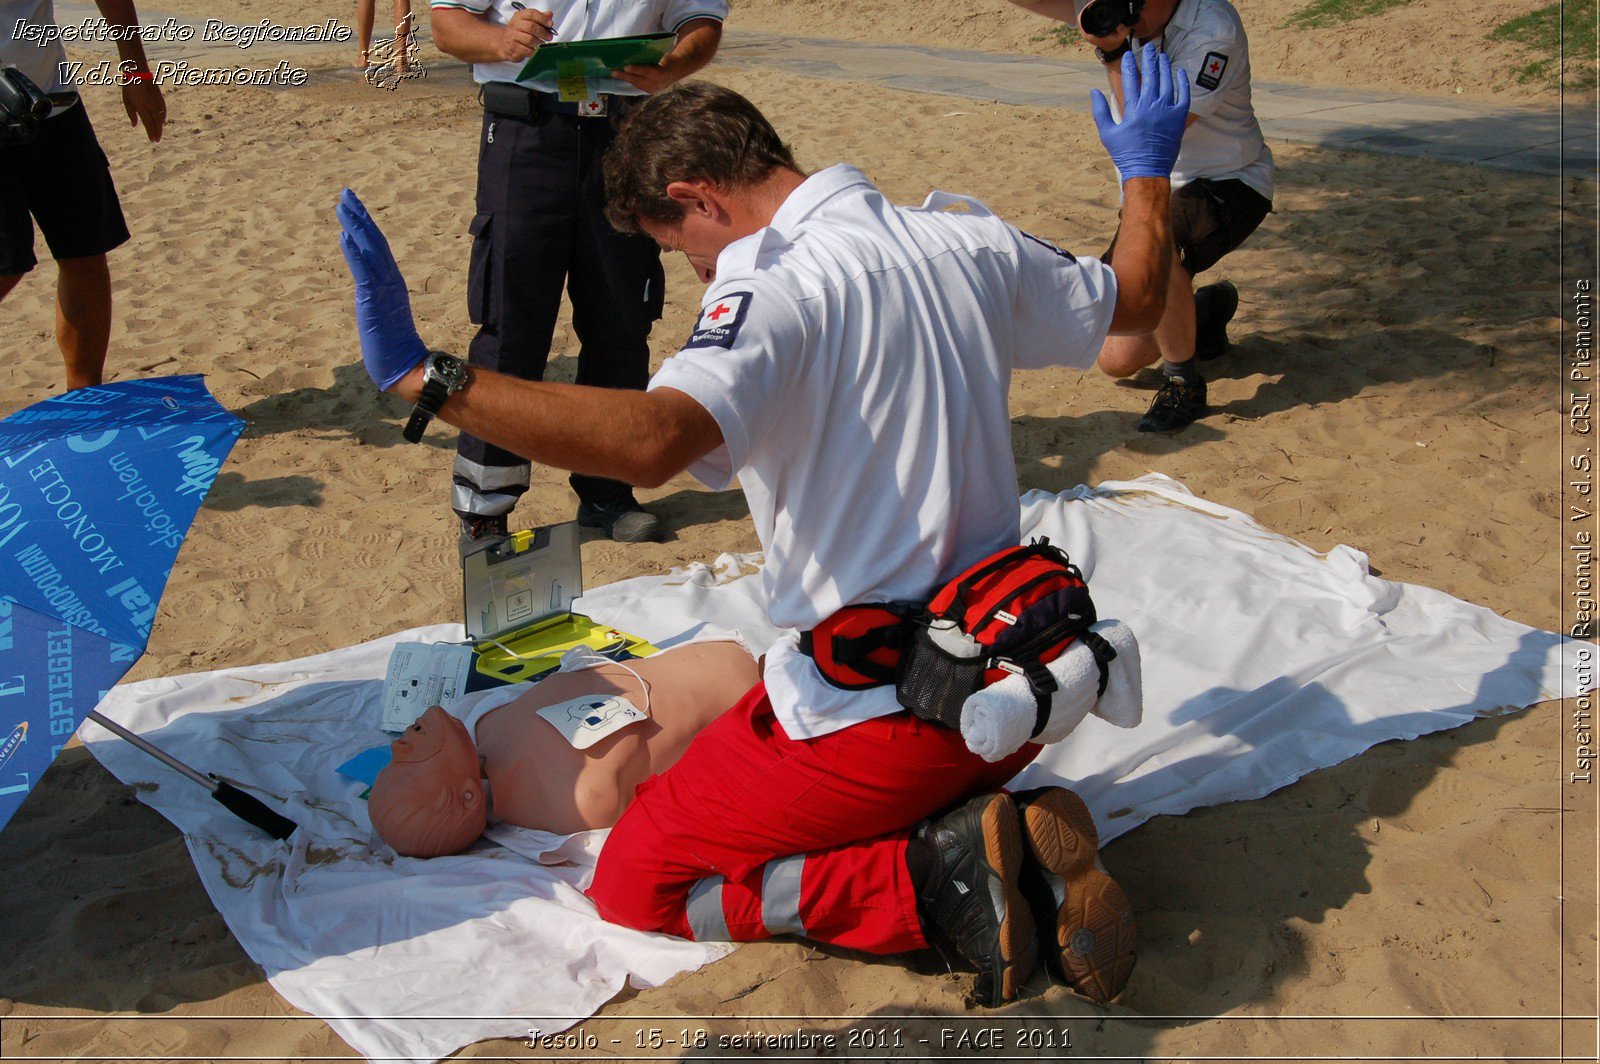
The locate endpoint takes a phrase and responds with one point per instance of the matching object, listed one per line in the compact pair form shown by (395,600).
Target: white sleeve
(736,364)
(1213,66)
(1063,305)
(676,12)
(477,7)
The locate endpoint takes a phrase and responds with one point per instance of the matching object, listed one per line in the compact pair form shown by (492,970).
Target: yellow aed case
(518,594)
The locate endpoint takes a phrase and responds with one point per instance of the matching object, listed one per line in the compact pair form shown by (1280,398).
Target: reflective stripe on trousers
(780,902)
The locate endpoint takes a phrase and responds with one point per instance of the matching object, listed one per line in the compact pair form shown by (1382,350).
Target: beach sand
(1393,387)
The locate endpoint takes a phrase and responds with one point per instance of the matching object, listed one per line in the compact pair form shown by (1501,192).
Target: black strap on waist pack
(860,646)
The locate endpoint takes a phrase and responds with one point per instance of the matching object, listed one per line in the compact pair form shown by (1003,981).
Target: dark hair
(693,131)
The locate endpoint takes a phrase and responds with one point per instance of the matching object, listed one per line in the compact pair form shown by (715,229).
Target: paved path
(1504,137)
(1528,139)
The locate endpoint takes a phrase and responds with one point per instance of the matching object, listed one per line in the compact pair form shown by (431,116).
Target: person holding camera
(540,226)
(1221,187)
(53,173)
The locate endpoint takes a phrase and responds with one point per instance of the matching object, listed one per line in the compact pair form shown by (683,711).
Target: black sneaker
(623,520)
(971,897)
(1214,307)
(1176,406)
(479,531)
(1084,919)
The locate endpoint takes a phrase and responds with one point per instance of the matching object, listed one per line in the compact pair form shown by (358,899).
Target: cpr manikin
(432,800)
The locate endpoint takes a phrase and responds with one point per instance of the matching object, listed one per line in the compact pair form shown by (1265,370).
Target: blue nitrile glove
(1154,110)
(390,345)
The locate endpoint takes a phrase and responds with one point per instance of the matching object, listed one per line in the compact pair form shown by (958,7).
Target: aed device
(518,594)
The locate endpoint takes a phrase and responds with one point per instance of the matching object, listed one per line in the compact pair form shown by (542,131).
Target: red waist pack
(1012,612)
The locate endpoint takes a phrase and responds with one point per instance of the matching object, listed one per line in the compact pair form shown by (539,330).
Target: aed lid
(525,578)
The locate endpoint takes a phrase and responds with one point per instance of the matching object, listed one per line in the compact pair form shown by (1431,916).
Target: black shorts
(61,180)
(1210,219)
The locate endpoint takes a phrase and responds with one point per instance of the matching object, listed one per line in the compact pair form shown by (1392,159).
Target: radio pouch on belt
(1013,612)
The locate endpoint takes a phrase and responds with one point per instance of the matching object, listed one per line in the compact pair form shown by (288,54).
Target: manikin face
(429,800)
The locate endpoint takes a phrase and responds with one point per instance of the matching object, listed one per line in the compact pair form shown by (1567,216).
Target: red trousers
(753,834)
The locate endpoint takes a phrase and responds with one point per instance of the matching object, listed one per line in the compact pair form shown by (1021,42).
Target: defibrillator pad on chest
(585,721)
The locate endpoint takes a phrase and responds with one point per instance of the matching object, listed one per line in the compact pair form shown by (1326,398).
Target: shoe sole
(1019,946)
(652,534)
(1094,935)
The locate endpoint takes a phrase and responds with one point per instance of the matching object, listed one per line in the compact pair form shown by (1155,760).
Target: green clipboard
(596,59)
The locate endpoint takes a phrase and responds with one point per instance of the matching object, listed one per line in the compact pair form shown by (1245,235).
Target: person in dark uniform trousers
(540,224)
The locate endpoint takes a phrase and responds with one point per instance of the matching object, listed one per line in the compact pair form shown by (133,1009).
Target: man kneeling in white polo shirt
(851,367)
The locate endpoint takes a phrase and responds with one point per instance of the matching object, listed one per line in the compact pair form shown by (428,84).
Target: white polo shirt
(40,62)
(1206,38)
(586,20)
(857,357)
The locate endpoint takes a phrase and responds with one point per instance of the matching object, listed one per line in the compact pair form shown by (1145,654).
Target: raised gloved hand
(1155,109)
(998,719)
(390,345)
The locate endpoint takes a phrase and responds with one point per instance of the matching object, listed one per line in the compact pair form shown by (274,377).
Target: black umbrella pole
(246,807)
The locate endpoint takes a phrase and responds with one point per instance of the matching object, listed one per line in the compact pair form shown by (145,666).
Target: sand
(1393,387)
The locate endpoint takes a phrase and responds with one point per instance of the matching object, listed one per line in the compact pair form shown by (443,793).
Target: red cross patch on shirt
(720,321)
(1211,70)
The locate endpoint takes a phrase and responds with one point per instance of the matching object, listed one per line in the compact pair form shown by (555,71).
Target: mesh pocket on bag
(933,683)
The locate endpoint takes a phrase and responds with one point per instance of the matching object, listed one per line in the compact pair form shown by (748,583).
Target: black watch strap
(434,393)
(1116,53)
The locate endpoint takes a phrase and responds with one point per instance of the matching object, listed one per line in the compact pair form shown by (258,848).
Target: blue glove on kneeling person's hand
(390,345)
(1155,109)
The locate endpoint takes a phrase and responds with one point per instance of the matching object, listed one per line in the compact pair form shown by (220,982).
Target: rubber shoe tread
(1086,925)
(974,900)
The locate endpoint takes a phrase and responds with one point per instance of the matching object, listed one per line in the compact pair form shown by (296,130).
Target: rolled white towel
(997,720)
(1123,702)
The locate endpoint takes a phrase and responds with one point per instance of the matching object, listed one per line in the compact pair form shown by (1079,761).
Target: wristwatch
(443,376)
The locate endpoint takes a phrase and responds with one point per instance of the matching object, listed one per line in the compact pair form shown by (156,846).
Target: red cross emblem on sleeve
(718,311)
(1215,68)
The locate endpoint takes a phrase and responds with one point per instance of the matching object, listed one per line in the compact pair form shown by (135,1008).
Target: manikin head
(697,167)
(430,800)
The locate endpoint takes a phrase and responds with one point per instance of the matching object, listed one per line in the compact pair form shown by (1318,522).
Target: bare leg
(1175,334)
(1172,340)
(8,282)
(364,17)
(83,317)
(402,35)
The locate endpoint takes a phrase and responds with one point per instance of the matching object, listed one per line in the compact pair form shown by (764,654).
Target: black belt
(514,101)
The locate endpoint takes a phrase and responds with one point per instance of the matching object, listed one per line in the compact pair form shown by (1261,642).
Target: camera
(22,107)
(1101,18)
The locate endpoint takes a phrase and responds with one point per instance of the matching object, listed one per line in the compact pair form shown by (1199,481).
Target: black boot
(479,531)
(1178,403)
(1084,919)
(1214,307)
(967,892)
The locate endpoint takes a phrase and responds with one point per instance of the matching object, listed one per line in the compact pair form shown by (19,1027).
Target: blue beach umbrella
(98,488)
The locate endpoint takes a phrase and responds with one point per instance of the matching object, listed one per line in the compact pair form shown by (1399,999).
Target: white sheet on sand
(1263,661)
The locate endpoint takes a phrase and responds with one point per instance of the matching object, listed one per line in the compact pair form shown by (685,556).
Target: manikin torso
(538,779)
